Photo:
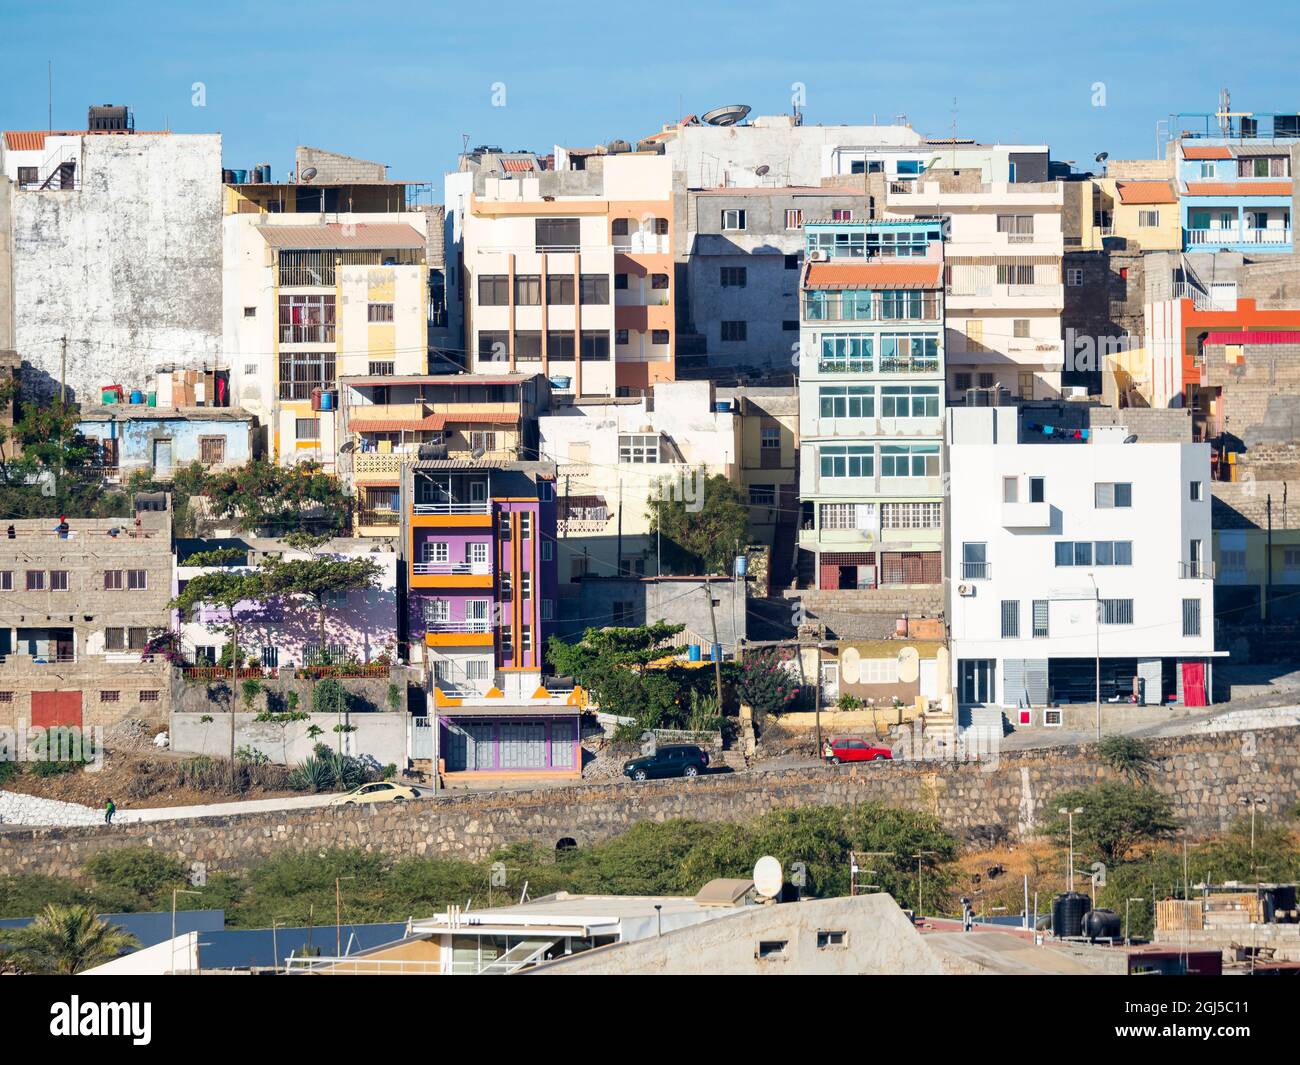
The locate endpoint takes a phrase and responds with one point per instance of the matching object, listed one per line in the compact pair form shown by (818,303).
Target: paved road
(225,809)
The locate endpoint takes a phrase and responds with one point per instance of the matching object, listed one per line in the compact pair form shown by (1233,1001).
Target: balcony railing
(307,334)
(389,518)
(453,508)
(458,626)
(445,569)
(1234,235)
(1196,571)
(888,365)
(976,571)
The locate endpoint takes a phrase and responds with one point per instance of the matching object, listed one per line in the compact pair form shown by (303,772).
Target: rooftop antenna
(49,85)
(954,133)
(1225,112)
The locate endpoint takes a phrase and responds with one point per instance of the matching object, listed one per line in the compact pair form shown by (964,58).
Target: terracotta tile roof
(1146,192)
(337,235)
(1239,188)
(875,275)
(25,140)
(1206,151)
(517,165)
(396,425)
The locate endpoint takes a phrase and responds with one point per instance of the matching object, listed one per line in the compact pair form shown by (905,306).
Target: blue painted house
(1235,183)
(137,437)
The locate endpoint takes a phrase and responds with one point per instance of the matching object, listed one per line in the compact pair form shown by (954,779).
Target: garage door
(56,708)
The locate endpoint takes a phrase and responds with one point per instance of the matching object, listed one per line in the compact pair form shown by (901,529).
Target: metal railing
(453,508)
(387,518)
(1196,571)
(976,571)
(1236,235)
(475,626)
(443,569)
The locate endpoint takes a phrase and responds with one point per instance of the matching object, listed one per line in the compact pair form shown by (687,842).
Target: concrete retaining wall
(382,735)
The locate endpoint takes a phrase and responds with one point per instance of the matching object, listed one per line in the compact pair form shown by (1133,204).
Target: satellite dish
(769,878)
(761,171)
(1131,438)
(307,174)
(477,453)
(727,115)
(1102,156)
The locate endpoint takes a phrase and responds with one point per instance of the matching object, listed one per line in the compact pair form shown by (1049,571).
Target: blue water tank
(742,565)
(693,653)
(137,396)
(327,401)
(717,652)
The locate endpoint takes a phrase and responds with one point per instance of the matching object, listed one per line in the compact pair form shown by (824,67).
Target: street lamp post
(175,892)
(1254,802)
(1069,814)
(920,856)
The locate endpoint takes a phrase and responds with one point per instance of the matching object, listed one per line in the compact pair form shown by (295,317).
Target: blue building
(137,437)
(1234,181)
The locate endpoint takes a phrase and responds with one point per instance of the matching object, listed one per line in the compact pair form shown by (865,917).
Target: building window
(911,515)
(559,290)
(302,371)
(494,290)
(137,580)
(1191,617)
(1040,619)
(558,234)
(525,524)
(762,495)
(36,580)
(548,551)
(1197,491)
(1148,219)
(848,460)
(792,262)
(734,332)
(733,276)
(250,312)
(841,214)
(382,369)
(847,401)
(528,290)
(638,449)
(909,460)
(838,516)
(149,695)
(548,609)
(306,429)
(974,562)
(505,587)
(1113,495)
(733,220)
(212,450)
(909,401)
(503,525)
(484,440)
(115,639)
(6,697)
(659,336)
(6,580)
(307,319)
(1016,225)
(525,638)
(659,281)
(435,551)
(593,289)
(1011,619)
(793,218)
(1074,277)
(525,586)
(379,312)
(58,580)
(827,938)
(594,345)
(1117,611)
(110,696)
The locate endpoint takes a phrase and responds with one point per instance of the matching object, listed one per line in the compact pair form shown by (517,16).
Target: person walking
(109,810)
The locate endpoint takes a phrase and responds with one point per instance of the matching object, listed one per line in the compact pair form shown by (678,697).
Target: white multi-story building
(1005,291)
(871,371)
(1076,547)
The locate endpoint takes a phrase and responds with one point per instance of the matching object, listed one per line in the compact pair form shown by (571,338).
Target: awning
(875,275)
(375,237)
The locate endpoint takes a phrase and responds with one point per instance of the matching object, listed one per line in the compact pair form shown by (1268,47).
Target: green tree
(612,665)
(1116,819)
(702,540)
(278,499)
(65,940)
(318,579)
(766,683)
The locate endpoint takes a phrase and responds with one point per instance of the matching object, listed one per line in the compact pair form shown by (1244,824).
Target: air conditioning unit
(966,589)
(818,255)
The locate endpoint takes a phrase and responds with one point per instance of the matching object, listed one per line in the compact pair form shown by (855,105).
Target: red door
(1194,684)
(50,709)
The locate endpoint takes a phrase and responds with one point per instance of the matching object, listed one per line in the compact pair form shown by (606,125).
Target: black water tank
(1068,911)
(1102,924)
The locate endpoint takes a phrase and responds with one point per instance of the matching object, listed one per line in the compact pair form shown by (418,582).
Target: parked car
(679,760)
(852,749)
(379,791)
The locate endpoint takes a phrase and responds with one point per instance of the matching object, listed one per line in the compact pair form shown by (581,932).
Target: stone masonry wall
(1204,776)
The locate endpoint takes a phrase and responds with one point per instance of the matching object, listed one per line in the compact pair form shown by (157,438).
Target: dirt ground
(134,773)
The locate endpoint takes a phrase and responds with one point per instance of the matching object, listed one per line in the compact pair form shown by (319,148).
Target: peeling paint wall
(127,265)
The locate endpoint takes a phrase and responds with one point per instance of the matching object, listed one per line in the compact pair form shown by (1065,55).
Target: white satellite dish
(769,877)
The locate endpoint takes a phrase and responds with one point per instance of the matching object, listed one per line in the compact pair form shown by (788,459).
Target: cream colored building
(1004,287)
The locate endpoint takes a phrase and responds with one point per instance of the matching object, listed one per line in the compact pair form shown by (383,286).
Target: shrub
(312,774)
(328,696)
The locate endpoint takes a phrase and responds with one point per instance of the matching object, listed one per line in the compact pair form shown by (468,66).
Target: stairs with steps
(732,759)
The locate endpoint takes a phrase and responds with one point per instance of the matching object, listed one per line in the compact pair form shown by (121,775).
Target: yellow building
(1143,213)
(769,459)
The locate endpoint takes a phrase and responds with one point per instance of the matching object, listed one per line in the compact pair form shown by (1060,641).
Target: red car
(852,749)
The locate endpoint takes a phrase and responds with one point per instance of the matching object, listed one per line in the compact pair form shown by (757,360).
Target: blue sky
(401,82)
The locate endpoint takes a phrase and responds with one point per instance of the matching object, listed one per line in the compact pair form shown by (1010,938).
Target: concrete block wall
(380,735)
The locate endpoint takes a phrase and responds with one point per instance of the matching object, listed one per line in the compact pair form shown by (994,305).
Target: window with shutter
(1010,619)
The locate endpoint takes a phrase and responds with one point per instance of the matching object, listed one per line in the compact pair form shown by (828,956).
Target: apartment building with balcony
(616,458)
(1077,545)
(111,259)
(388,421)
(324,278)
(77,609)
(478,550)
(871,399)
(1004,290)
(566,267)
(1235,194)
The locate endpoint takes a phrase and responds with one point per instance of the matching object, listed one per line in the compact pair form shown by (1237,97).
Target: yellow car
(380,791)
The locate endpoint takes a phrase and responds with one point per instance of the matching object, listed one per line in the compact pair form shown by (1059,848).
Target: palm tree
(65,940)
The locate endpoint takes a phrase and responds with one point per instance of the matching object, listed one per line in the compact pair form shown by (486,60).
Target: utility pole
(619,571)
(920,856)
(338,914)
(1069,879)
(716,655)
(1268,554)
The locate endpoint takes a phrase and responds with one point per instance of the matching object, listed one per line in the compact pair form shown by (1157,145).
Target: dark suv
(680,760)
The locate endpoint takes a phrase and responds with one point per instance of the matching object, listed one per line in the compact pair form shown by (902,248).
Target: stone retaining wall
(1204,776)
